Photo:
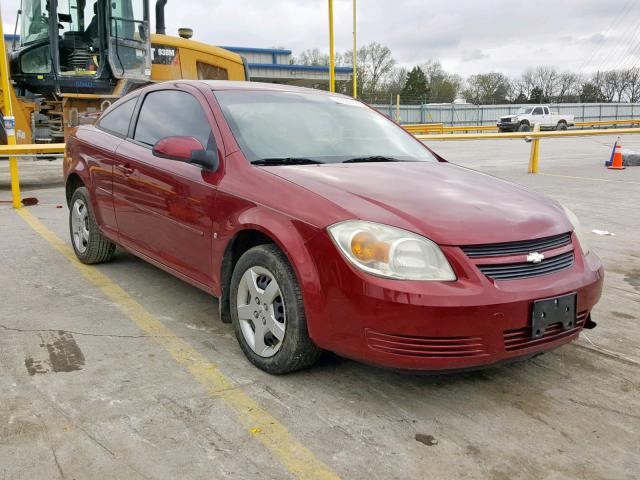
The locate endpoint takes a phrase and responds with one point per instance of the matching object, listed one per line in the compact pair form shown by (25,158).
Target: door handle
(125,169)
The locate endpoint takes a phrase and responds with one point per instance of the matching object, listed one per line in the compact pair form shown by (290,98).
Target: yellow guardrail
(441,128)
(630,121)
(13,151)
(535,137)
(427,128)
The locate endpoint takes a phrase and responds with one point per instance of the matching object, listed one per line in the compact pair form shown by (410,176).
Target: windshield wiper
(285,161)
(374,158)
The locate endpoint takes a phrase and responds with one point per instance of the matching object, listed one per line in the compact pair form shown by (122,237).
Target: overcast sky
(467,36)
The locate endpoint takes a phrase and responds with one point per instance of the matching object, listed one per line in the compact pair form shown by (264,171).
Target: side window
(537,111)
(546,110)
(117,120)
(167,113)
(211,72)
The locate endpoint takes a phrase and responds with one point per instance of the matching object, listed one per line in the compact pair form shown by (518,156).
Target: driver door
(537,116)
(165,208)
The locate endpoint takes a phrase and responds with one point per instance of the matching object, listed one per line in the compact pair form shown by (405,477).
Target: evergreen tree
(415,89)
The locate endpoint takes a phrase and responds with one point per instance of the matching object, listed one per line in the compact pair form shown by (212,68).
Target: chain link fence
(452,114)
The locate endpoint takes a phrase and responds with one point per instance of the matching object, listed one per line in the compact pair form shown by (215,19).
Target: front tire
(524,127)
(268,314)
(89,245)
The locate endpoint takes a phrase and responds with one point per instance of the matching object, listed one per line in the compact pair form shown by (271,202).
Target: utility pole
(355,70)
(332,56)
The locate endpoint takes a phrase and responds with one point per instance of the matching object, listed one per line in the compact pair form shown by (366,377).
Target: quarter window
(168,113)
(117,120)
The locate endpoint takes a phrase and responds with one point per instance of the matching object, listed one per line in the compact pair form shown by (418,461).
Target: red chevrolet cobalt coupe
(321,224)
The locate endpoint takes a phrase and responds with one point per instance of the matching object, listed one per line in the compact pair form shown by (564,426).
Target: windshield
(35,20)
(327,129)
(525,110)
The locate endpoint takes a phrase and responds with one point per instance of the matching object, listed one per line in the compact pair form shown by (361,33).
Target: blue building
(276,66)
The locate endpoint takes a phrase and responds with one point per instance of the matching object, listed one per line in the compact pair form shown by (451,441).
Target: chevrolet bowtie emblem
(535,257)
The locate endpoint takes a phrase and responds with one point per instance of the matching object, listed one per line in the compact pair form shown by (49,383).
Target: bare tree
(608,83)
(527,83)
(633,84)
(568,87)
(443,86)
(547,81)
(313,57)
(377,64)
(621,82)
(483,88)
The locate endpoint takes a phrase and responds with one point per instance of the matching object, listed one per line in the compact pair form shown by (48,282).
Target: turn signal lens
(367,249)
(390,252)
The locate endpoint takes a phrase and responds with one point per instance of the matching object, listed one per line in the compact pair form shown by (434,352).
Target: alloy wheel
(261,311)
(80,225)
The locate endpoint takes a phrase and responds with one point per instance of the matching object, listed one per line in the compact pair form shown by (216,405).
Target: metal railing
(534,136)
(441,128)
(13,152)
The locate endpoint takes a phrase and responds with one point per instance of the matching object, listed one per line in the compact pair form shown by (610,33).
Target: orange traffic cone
(616,164)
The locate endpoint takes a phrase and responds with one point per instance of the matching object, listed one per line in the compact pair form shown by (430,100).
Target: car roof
(254,86)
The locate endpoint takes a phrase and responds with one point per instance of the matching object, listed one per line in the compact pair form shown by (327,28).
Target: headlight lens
(390,252)
(577,229)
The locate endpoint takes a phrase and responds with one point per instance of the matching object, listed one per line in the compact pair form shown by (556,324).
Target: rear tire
(268,314)
(89,245)
(561,126)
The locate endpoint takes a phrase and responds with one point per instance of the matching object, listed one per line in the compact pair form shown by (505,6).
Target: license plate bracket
(553,310)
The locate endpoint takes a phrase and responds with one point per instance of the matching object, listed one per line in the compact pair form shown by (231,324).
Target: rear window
(117,120)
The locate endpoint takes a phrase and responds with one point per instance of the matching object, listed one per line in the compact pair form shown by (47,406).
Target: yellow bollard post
(9,120)
(355,57)
(332,54)
(398,108)
(535,151)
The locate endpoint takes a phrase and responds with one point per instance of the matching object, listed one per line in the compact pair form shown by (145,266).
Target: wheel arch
(290,239)
(74,181)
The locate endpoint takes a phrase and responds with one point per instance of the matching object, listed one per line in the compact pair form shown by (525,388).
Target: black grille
(512,271)
(506,119)
(517,248)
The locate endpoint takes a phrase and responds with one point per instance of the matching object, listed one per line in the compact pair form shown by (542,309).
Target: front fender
(289,234)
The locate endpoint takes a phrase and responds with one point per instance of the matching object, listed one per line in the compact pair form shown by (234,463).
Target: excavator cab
(76,57)
(81,46)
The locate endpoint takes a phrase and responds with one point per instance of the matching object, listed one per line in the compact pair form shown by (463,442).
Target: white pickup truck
(527,117)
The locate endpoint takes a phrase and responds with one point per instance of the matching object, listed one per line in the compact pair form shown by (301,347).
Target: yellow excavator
(75,57)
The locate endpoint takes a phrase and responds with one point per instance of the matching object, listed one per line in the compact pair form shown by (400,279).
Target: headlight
(577,229)
(390,252)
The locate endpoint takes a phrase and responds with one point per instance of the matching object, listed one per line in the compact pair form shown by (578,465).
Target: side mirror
(186,149)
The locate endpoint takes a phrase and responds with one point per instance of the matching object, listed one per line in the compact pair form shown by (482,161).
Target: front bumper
(508,126)
(469,323)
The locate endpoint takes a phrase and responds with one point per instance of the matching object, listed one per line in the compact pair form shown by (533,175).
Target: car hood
(451,205)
